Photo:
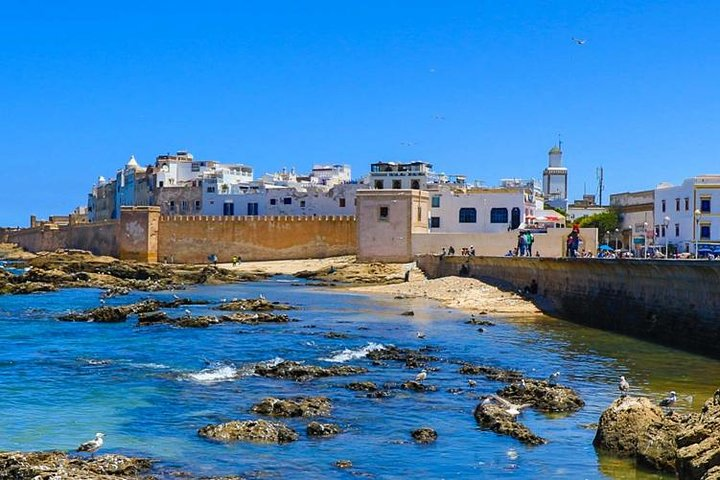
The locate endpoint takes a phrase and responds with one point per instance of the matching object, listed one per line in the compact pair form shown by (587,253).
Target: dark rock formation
(492,373)
(412,358)
(495,418)
(111,314)
(317,429)
(408,313)
(260,431)
(418,387)
(254,305)
(301,372)
(295,407)
(343,464)
(50,465)
(152,318)
(543,396)
(424,435)
(256,318)
(480,321)
(362,386)
(337,335)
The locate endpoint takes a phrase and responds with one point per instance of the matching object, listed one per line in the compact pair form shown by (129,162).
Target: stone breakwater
(687,445)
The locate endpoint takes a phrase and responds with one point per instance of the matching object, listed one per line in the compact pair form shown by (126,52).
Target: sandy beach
(467,294)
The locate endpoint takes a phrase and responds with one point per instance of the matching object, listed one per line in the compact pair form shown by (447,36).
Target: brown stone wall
(98,238)
(138,233)
(674,302)
(190,239)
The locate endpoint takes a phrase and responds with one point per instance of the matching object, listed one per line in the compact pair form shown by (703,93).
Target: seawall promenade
(673,302)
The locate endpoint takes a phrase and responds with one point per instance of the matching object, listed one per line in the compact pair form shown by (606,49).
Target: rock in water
(542,396)
(317,429)
(47,465)
(296,407)
(424,435)
(260,431)
(699,443)
(301,372)
(495,418)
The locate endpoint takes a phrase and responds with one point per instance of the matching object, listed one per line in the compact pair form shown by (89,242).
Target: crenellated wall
(674,302)
(98,238)
(190,239)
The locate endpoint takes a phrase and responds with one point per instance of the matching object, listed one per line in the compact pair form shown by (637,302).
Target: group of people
(465,251)
(525,244)
(573,241)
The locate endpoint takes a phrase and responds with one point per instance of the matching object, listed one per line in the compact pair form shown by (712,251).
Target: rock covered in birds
(301,372)
(494,417)
(543,396)
(317,429)
(260,431)
(424,435)
(294,407)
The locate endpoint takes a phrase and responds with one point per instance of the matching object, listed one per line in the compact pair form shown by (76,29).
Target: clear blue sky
(85,84)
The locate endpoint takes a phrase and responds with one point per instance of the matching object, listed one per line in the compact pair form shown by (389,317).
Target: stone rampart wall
(98,238)
(191,239)
(674,302)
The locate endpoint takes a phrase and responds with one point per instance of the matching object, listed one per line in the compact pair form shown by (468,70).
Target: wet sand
(467,294)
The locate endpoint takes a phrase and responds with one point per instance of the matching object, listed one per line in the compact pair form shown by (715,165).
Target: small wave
(150,366)
(218,373)
(272,362)
(95,361)
(348,354)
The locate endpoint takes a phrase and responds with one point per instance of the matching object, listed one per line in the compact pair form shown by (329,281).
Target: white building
(688,215)
(555,180)
(455,209)
(397,176)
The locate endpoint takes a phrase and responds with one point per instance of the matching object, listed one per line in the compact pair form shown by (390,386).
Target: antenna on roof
(560,141)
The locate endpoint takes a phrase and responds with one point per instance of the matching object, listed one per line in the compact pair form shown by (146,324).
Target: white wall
(483,202)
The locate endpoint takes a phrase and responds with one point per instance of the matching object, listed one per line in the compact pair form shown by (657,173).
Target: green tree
(604,222)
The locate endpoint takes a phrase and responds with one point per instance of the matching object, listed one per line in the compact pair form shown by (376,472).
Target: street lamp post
(666,223)
(696,233)
(645,225)
(617,236)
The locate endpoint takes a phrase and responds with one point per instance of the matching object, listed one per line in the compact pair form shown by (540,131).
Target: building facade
(555,178)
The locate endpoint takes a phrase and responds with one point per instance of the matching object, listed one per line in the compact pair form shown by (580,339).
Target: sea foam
(348,354)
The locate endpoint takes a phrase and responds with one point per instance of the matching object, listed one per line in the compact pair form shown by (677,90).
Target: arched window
(515,218)
(498,215)
(415,185)
(468,215)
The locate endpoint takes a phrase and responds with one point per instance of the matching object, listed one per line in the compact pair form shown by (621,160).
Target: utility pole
(601,185)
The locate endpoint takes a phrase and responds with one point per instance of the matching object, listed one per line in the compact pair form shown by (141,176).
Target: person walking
(529,239)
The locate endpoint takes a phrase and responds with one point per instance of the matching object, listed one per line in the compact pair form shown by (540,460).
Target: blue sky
(280,84)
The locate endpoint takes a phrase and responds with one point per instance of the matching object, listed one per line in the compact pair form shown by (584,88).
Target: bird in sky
(670,400)
(623,386)
(93,445)
(579,41)
(420,377)
(553,379)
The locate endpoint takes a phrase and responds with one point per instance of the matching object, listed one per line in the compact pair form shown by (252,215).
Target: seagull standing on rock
(623,386)
(420,377)
(553,379)
(93,445)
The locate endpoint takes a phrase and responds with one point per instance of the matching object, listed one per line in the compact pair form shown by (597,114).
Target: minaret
(555,179)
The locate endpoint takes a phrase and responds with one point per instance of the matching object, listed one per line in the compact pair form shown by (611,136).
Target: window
(273,201)
(287,201)
(379,184)
(415,185)
(341,202)
(687,204)
(704,231)
(705,204)
(302,203)
(677,204)
(677,229)
(397,184)
(419,213)
(197,205)
(160,184)
(252,208)
(498,215)
(384,213)
(434,222)
(435,201)
(194,167)
(172,204)
(662,207)
(210,189)
(184,206)
(228,208)
(468,215)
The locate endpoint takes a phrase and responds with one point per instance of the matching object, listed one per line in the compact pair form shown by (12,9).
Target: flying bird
(670,400)
(93,445)
(553,379)
(623,386)
(420,377)
(579,41)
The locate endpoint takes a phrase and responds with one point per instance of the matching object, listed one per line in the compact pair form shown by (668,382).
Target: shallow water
(149,389)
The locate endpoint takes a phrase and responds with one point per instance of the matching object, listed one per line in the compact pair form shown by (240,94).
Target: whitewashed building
(688,215)
(555,178)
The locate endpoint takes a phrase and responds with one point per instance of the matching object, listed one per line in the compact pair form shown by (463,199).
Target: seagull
(93,445)
(670,400)
(188,312)
(623,386)
(176,296)
(420,334)
(262,297)
(471,382)
(511,408)
(522,385)
(102,301)
(553,379)
(579,41)
(420,377)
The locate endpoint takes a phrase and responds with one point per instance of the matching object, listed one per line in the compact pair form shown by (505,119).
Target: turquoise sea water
(149,389)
